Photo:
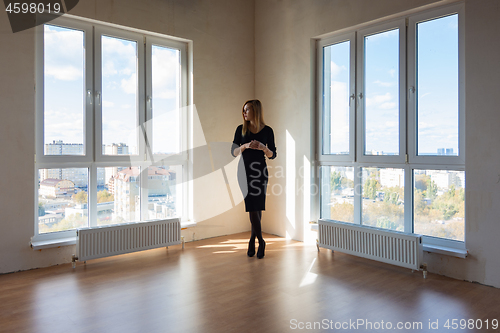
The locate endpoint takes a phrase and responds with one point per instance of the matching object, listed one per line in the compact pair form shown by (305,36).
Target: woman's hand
(244,146)
(254,144)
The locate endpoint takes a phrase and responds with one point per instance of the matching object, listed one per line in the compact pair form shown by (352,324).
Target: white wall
(222,32)
(284,74)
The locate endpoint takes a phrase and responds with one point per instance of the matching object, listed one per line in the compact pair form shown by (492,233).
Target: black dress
(255,179)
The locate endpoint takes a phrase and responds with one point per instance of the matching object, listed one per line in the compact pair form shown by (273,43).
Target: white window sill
(447,251)
(47,244)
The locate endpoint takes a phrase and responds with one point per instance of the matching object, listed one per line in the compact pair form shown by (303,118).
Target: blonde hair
(257,113)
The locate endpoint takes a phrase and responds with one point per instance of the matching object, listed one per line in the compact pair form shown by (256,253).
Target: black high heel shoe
(251,248)
(262,248)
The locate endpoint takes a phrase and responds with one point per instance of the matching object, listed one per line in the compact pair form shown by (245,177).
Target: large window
(391,132)
(112,127)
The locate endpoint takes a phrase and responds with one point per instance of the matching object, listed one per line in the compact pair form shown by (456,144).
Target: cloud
(115,131)
(382,125)
(339,95)
(64,73)
(115,46)
(388,106)
(119,57)
(166,132)
(166,72)
(108,104)
(423,125)
(384,84)
(339,139)
(108,69)
(64,53)
(64,125)
(127,71)
(129,85)
(168,94)
(378,100)
(336,69)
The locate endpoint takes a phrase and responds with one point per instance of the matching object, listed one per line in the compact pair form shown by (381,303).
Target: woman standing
(255,141)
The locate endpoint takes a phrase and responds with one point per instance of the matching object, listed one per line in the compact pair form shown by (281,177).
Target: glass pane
(118,195)
(64,91)
(336,99)
(437,86)
(439,203)
(337,193)
(166,72)
(381,99)
(164,192)
(383,198)
(62,199)
(119,96)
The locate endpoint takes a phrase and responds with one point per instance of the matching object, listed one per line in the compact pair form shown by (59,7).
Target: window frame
(445,161)
(93,157)
(99,32)
(361,99)
(407,159)
(184,111)
(322,44)
(40,90)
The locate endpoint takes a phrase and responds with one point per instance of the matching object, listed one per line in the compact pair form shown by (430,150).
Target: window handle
(98,93)
(148,100)
(353,96)
(411,91)
(89,93)
(360,97)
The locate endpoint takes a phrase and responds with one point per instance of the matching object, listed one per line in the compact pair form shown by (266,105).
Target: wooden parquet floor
(212,286)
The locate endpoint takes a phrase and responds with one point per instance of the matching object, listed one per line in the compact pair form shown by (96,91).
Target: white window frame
(407,158)
(183,155)
(352,91)
(39,94)
(100,31)
(93,157)
(360,93)
(445,161)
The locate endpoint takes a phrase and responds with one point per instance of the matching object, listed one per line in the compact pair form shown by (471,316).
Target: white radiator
(99,242)
(383,245)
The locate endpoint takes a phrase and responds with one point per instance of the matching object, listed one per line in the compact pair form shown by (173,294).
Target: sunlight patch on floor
(234,241)
(309,278)
(241,246)
(298,244)
(233,245)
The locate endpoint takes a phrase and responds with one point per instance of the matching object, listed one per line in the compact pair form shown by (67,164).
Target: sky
(437,89)
(64,85)
(65,90)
